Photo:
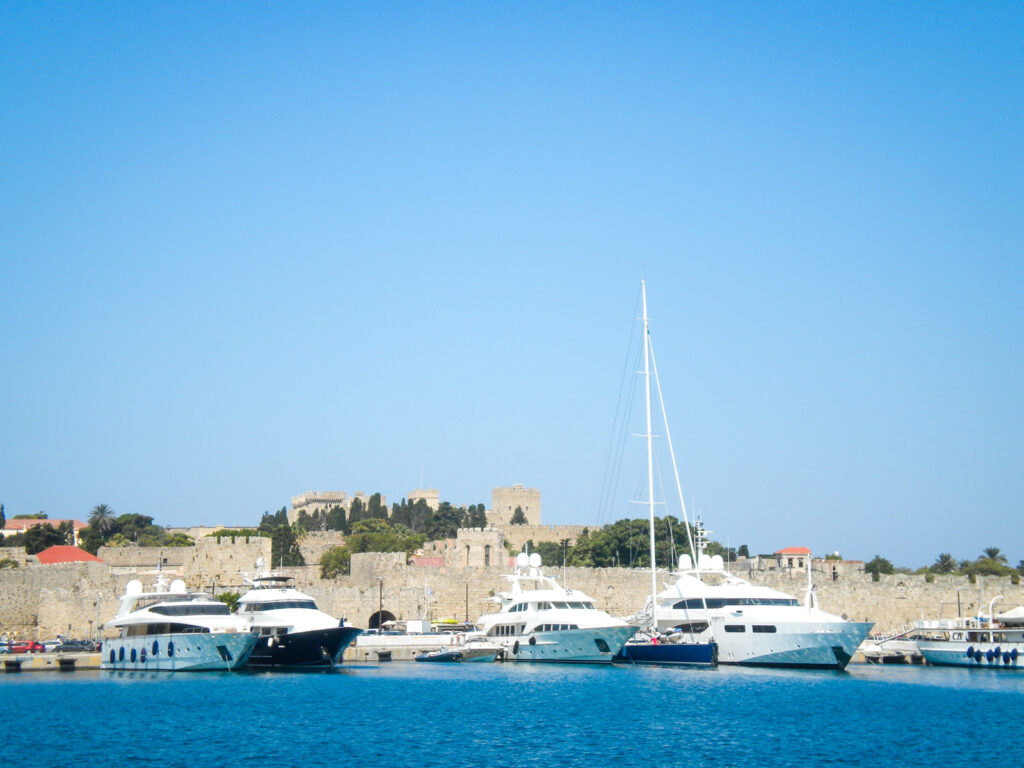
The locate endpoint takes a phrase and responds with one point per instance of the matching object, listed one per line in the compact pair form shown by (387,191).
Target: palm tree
(993,553)
(102,519)
(944,563)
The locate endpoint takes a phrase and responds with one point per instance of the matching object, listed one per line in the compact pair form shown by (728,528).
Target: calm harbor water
(510,715)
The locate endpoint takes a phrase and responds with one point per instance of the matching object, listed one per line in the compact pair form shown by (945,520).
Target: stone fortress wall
(43,600)
(453,580)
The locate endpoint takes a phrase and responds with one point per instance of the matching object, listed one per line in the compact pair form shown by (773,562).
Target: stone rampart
(42,600)
(313,544)
(518,535)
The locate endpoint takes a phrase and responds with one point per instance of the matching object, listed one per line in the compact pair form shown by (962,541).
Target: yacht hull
(669,654)
(312,648)
(570,646)
(178,652)
(806,644)
(988,655)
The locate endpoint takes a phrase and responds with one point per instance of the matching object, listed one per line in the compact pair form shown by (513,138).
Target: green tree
(476,516)
(336,520)
(102,519)
(878,565)
(3,517)
(356,511)
(993,553)
(90,540)
(743,551)
(518,517)
(230,599)
(34,516)
(445,522)
(39,537)
(944,563)
(335,562)
(375,510)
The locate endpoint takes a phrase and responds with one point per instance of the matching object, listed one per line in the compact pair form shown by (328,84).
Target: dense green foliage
(518,517)
(369,535)
(284,545)
(126,530)
(878,565)
(230,599)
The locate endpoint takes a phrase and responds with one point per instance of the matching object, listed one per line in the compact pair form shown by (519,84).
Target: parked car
(25,646)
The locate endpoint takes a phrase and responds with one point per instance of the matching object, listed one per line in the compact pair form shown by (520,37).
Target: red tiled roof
(428,562)
(61,553)
(794,551)
(23,524)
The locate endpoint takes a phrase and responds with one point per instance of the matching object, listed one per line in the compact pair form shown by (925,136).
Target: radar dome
(704,561)
(535,560)
(717,563)
(134,587)
(685,563)
(522,560)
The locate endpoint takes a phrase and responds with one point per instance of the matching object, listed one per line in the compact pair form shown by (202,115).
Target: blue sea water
(497,715)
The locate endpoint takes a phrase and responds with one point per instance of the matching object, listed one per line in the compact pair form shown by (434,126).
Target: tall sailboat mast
(650,457)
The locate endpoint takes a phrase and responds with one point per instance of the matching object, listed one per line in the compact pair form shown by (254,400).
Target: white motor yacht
(170,628)
(754,625)
(293,631)
(539,620)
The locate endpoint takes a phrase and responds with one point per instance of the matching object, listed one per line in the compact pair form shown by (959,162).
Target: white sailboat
(652,646)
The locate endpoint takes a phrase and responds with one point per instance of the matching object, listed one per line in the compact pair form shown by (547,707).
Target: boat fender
(970,651)
(156,648)
(270,642)
(515,647)
(998,650)
(533,641)
(1013,654)
(133,656)
(1006,657)
(977,655)
(142,655)
(170,648)
(988,655)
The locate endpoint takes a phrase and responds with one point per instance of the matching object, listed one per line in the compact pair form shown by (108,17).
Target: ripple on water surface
(509,715)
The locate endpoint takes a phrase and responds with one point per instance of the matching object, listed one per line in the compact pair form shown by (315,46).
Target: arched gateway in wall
(377,618)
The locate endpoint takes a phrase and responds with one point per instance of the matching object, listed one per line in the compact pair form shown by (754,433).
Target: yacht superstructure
(539,620)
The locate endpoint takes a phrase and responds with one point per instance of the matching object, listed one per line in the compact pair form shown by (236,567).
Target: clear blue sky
(248,250)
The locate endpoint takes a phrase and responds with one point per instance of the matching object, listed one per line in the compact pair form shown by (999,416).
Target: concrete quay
(49,662)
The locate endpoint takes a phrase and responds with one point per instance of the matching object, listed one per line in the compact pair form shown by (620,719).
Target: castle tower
(504,502)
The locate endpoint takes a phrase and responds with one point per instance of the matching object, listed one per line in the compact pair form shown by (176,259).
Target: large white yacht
(170,628)
(293,631)
(754,625)
(974,642)
(539,620)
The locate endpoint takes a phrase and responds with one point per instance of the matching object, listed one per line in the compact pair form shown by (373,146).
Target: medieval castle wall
(43,600)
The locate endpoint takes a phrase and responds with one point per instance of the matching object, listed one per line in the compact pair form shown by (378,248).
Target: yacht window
(697,603)
(764,628)
(735,628)
(561,605)
(576,605)
(544,606)
(589,606)
(192,609)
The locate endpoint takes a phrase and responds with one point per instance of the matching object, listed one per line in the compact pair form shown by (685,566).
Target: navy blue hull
(316,648)
(692,654)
